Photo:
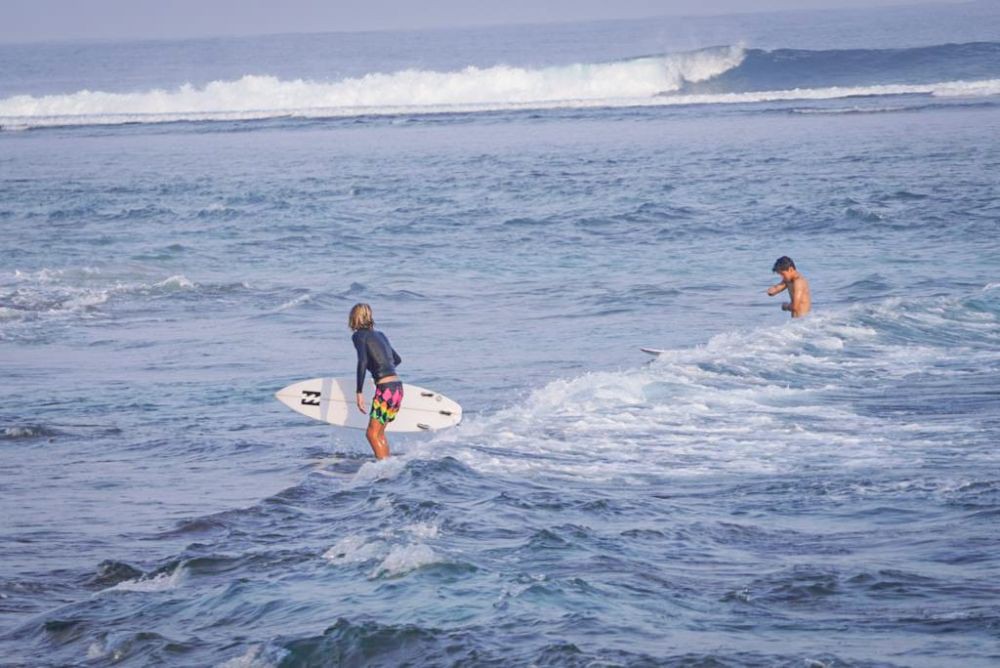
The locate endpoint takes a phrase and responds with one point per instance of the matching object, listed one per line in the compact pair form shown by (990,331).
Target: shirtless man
(797,285)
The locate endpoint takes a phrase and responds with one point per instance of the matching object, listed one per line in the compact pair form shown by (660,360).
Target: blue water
(823,492)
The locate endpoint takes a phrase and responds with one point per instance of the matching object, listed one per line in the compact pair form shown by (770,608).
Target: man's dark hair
(782,263)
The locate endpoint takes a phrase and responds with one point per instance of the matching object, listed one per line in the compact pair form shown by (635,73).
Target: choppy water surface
(766,492)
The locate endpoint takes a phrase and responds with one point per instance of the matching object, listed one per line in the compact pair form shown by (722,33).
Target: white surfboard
(652,351)
(332,400)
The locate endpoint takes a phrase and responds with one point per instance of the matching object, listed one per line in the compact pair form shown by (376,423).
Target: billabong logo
(310,398)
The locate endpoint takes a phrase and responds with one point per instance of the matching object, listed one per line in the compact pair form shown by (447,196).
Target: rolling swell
(349,643)
(718,75)
(406,91)
(785,69)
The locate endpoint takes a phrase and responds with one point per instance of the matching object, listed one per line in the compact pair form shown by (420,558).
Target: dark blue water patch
(356,292)
(241,523)
(903,195)
(863,214)
(169,252)
(147,211)
(74,216)
(872,285)
(198,527)
(961,396)
(110,573)
(176,186)
(366,642)
(369,643)
(858,105)
(981,494)
(763,541)
(787,69)
(206,564)
(644,221)
(529,222)
(220,212)
(23,596)
(65,641)
(630,297)
(655,213)
(825,588)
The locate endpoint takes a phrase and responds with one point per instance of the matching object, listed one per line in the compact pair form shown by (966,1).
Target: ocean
(187,223)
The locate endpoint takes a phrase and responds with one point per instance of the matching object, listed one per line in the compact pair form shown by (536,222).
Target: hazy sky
(34,20)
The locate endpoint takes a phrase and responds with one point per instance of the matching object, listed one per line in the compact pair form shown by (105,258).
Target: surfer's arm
(396,359)
(775,289)
(362,347)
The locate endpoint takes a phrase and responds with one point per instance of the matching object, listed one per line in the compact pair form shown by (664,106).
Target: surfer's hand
(361,403)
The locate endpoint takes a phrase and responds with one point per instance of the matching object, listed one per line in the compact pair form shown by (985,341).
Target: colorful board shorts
(385,403)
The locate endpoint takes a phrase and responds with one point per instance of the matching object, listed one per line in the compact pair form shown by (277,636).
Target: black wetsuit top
(375,355)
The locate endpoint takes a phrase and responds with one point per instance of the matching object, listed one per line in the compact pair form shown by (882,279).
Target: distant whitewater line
(647,81)
(472,87)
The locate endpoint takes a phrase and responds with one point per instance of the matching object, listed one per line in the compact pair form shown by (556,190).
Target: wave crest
(257,96)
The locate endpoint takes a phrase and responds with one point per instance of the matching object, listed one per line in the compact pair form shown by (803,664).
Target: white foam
(46,275)
(352,550)
(179,281)
(79,292)
(295,301)
(266,95)
(162,582)
(423,530)
(852,110)
(108,649)
(258,656)
(86,300)
(983,88)
(405,558)
(21,432)
(648,81)
(765,400)
(373,471)
(7,313)
(394,559)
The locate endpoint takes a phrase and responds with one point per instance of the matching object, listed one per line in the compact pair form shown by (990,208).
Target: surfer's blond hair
(361,317)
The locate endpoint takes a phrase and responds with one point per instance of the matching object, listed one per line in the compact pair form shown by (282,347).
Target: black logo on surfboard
(310,398)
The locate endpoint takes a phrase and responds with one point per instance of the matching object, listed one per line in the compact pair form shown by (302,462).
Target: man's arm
(775,289)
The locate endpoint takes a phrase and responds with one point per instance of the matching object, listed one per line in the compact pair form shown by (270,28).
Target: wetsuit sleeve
(396,359)
(362,347)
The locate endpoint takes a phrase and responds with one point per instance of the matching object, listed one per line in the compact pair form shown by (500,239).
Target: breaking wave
(718,75)
(407,91)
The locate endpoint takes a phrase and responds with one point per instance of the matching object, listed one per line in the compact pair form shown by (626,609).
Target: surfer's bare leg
(376,438)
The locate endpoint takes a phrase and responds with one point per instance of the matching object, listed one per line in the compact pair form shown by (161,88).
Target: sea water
(187,223)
